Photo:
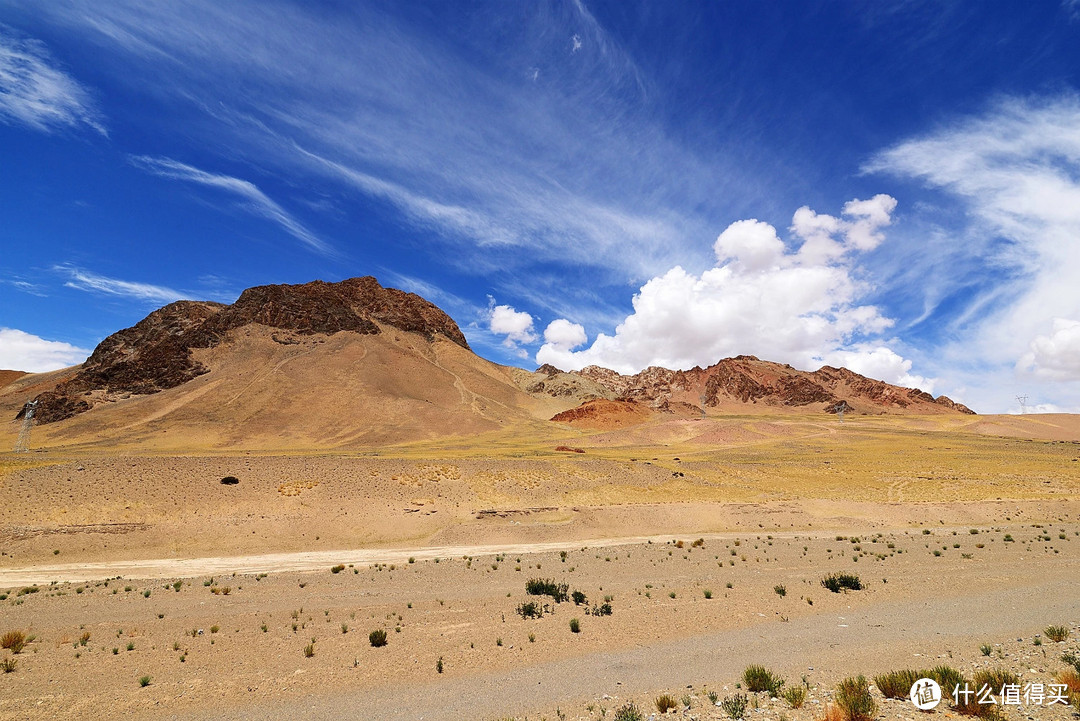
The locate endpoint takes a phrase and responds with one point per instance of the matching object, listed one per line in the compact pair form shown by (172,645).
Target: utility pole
(22,443)
(1023,404)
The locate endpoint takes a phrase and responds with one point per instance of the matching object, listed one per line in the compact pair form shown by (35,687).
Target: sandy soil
(961,539)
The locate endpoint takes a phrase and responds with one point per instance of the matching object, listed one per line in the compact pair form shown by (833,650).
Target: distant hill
(356,365)
(742,381)
(9,376)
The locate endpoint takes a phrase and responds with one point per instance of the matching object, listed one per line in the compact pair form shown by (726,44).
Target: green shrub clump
(897,684)
(735,706)
(854,699)
(837,582)
(559,592)
(759,678)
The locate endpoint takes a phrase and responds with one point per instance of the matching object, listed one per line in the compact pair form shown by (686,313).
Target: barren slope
(340,391)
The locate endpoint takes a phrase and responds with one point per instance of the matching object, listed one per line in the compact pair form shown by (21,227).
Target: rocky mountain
(748,381)
(157,352)
(356,365)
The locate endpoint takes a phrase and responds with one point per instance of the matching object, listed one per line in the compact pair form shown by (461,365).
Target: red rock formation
(746,379)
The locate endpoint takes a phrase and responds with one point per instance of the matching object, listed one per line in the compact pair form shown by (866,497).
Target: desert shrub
(837,582)
(229,481)
(338,568)
(708,593)
(559,592)
(578,597)
(439,665)
(84,639)
(734,706)
(603,609)
(970,706)
(180,584)
(530,609)
(144,681)
(309,650)
(1071,678)
(854,699)
(897,684)
(985,649)
(575,625)
(666,702)
(1072,659)
(795,696)
(13,640)
(780,590)
(377,638)
(759,678)
(8,665)
(947,677)
(629,712)
(832,713)
(994,678)
(1057,634)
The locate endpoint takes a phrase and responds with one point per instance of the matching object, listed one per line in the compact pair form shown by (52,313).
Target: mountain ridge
(747,379)
(243,346)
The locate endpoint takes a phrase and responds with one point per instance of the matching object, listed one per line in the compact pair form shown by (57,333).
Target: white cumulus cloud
(36,93)
(516,326)
(563,334)
(796,306)
(1055,356)
(881,363)
(24,351)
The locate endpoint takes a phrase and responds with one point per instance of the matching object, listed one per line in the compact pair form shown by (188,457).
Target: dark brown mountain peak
(155,353)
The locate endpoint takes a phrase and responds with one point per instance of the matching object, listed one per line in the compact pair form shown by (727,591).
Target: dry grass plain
(777,500)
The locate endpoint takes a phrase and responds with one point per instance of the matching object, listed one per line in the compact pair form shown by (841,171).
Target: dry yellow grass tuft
(295,488)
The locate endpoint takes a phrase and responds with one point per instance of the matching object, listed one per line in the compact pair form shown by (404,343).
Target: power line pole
(1023,404)
(22,443)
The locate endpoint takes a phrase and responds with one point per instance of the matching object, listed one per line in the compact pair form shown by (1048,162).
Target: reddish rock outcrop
(746,379)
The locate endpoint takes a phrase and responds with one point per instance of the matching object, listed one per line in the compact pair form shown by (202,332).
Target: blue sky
(891,186)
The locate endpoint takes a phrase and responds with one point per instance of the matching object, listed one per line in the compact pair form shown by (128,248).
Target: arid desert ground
(256,599)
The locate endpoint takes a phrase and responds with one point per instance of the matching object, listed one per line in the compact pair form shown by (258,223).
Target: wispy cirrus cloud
(91,282)
(1013,169)
(574,166)
(36,92)
(253,200)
